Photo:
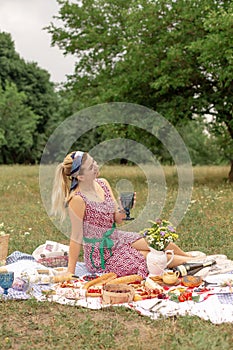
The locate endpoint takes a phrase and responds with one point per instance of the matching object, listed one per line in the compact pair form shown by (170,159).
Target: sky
(25,20)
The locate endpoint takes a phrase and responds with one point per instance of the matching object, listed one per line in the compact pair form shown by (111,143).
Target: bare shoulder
(77,202)
(77,207)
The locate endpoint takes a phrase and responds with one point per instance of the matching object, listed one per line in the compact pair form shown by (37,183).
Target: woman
(94,213)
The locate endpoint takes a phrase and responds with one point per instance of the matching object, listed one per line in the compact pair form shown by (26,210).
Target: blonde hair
(61,194)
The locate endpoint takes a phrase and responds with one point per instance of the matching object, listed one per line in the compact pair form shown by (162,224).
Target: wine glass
(127,201)
(6,281)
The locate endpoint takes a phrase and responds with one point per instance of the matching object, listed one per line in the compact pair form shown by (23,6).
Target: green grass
(207,226)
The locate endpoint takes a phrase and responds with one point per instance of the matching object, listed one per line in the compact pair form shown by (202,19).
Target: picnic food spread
(208,295)
(118,290)
(112,290)
(108,288)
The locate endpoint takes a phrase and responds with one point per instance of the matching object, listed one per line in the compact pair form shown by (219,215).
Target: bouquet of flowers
(160,234)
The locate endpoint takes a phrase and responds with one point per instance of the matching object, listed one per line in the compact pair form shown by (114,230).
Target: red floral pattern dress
(121,258)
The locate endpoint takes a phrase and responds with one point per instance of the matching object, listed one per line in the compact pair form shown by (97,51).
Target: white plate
(219,279)
(33,276)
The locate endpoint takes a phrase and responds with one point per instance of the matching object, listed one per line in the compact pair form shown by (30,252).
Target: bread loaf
(105,278)
(127,279)
(191,281)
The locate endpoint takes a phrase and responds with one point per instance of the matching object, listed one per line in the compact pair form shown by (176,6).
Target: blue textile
(225,298)
(16,256)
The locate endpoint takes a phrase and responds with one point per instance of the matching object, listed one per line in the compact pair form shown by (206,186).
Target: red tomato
(187,295)
(181,298)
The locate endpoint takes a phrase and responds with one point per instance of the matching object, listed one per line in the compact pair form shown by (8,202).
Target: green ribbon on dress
(105,242)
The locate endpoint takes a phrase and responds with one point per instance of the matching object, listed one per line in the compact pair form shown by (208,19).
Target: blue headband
(77,161)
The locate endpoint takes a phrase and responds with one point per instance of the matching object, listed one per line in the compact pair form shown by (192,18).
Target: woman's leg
(178,260)
(176,249)
(141,244)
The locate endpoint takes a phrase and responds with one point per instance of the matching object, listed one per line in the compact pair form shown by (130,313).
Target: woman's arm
(119,212)
(74,252)
(76,212)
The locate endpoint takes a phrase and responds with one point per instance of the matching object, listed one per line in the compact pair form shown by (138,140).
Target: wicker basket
(117,294)
(56,261)
(4,240)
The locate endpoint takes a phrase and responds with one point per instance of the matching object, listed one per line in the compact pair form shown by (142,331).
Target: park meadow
(206,226)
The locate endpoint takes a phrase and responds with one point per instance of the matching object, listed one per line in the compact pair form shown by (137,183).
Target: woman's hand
(120,215)
(62,276)
(134,200)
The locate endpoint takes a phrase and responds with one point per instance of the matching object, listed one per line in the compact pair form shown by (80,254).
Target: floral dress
(107,249)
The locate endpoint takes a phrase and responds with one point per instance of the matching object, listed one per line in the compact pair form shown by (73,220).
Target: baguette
(110,279)
(105,278)
(127,279)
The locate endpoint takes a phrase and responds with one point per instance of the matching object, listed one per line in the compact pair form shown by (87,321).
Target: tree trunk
(230,176)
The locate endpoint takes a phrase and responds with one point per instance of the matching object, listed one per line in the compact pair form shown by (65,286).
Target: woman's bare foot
(196,254)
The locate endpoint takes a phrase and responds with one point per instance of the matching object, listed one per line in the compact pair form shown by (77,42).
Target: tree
(18,125)
(39,93)
(172,56)
(215,55)
(204,147)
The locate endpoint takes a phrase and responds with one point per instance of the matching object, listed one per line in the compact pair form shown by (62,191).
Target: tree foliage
(18,125)
(175,57)
(34,94)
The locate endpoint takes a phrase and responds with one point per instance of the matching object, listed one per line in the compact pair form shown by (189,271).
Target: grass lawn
(207,226)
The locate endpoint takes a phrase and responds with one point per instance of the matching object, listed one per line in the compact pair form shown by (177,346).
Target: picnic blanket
(215,305)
